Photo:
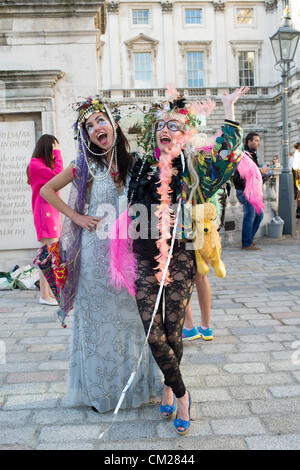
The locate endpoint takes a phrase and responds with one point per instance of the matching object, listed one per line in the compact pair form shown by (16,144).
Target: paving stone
(245,368)
(284,365)
(276,406)
(238,426)
(58,416)
(22,389)
(46,348)
(282,424)
(201,370)
(260,330)
(54,365)
(259,347)
(49,319)
(287,442)
(249,393)
(253,339)
(223,410)
(22,402)
(52,376)
(15,418)
(66,432)
(268,379)
(285,391)
(132,430)
(213,394)
(19,435)
(249,357)
(222,380)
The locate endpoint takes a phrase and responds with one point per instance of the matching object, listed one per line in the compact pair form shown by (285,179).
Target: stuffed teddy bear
(208,240)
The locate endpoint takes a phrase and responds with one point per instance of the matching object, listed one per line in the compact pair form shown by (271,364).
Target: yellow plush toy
(209,238)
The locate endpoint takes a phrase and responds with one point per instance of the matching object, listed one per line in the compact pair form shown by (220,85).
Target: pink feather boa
(254,184)
(165,216)
(123,264)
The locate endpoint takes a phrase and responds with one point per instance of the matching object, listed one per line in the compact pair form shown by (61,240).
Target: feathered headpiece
(192,112)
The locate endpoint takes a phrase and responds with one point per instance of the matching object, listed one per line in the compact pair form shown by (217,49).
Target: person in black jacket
(252,220)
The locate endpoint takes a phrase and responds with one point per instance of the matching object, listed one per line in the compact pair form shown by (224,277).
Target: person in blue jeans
(251,222)
(252,219)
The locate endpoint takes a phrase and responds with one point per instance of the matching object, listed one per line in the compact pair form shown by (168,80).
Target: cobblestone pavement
(245,384)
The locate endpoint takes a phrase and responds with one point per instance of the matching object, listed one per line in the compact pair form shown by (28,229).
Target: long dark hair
(125,158)
(44,149)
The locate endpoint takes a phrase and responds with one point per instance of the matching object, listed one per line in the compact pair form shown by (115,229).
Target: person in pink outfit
(46,162)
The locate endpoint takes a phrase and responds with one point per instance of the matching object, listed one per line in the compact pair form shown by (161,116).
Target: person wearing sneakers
(191,332)
(252,219)
(46,162)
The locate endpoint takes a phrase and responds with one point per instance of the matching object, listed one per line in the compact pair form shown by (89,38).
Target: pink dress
(47,220)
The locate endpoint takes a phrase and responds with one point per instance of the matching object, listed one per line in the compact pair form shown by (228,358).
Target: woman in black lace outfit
(165,338)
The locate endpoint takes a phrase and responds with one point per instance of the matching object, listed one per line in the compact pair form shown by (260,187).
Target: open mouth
(165,140)
(102,138)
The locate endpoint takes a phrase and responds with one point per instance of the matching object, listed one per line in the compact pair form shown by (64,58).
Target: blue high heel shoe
(170,409)
(180,423)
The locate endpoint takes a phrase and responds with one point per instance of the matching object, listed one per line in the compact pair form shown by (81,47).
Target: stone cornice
(49,8)
(240,45)
(185,46)
(30,78)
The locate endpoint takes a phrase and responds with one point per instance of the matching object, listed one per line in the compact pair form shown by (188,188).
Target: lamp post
(284,43)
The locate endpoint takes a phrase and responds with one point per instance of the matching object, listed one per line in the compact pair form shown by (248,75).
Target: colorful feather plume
(253,182)
(123,264)
(165,215)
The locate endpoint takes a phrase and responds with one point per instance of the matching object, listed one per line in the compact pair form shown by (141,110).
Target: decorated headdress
(91,105)
(193,113)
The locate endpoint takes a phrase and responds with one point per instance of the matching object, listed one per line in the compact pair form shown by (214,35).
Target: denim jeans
(251,221)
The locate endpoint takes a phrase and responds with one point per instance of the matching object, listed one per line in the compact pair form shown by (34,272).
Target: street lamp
(284,43)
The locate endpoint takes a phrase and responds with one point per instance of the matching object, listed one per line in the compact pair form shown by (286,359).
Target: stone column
(113,43)
(220,74)
(168,52)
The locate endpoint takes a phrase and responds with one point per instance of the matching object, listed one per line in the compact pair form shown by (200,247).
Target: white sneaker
(48,302)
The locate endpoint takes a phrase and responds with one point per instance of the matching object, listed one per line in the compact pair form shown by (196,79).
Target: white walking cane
(133,374)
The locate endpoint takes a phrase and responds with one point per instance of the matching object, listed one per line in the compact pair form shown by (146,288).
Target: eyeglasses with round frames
(173,126)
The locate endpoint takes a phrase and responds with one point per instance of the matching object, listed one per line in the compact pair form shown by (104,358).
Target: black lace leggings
(165,339)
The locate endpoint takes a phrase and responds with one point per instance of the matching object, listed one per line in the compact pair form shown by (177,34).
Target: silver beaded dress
(108,334)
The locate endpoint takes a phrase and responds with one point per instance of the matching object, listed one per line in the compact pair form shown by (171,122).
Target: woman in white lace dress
(107,331)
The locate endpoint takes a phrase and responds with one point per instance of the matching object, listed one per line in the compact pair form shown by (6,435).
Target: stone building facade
(52,52)
(203,48)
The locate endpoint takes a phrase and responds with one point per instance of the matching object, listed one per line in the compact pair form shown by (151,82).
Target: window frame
(254,66)
(141,8)
(193,9)
(134,69)
(191,6)
(203,69)
(241,25)
(246,111)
